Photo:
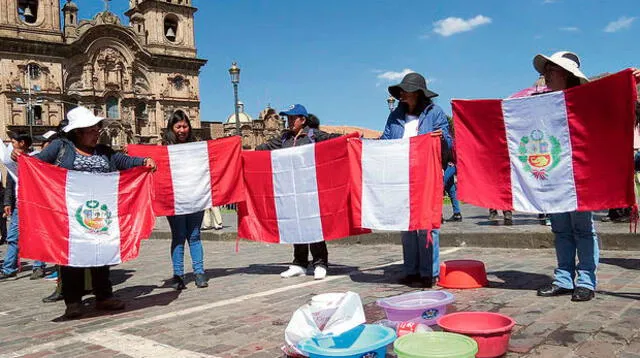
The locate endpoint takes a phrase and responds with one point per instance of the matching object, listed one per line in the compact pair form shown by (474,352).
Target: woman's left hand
(636,74)
(436,133)
(150,163)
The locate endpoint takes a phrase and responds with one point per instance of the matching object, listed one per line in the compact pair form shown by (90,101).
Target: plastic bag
(327,314)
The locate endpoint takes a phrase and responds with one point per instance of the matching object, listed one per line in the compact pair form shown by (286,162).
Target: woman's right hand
(16,153)
(7,211)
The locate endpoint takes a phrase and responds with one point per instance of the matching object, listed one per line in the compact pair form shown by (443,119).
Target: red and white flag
(82,219)
(397,184)
(550,153)
(297,195)
(192,177)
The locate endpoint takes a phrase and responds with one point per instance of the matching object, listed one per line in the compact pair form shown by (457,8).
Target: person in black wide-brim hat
(417,114)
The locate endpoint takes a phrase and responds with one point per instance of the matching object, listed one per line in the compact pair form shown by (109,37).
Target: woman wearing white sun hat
(574,231)
(80,151)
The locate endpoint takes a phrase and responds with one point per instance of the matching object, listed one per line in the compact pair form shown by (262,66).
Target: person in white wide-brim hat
(559,61)
(80,151)
(574,231)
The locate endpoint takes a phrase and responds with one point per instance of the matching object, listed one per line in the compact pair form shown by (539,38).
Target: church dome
(70,6)
(244,118)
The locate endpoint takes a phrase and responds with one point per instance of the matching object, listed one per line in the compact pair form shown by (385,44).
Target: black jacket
(10,193)
(288,139)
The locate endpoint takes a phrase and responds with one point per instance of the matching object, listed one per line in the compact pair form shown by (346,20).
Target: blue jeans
(575,233)
(10,264)
(450,187)
(418,258)
(186,227)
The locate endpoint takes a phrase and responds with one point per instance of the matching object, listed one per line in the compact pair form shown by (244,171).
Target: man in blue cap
(302,128)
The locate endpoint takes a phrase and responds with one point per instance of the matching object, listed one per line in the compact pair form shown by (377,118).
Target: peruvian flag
(550,153)
(82,219)
(192,177)
(396,184)
(297,195)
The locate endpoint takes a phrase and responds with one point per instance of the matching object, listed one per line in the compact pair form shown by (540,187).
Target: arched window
(37,115)
(113,108)
(171,27)
(34,71)
(141,111)
(28,10)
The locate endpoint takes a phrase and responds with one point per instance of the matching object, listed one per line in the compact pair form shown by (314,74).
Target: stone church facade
(134,75)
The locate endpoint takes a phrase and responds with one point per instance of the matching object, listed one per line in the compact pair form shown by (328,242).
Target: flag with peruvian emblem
(82,219)
(297,195)
(397,184)
(192,177)
(550,153)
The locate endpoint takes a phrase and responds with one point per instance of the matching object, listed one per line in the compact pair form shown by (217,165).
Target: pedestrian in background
(21,142)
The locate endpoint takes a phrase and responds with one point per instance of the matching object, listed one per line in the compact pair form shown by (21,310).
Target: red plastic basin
(462,274)
(491,331)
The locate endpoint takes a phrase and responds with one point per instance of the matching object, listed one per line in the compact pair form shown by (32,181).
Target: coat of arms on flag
(550,153)
(82,219)
(539,153)
(94,217)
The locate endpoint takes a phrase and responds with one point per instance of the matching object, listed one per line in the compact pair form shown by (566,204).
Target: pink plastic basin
(422,307)
(491,331)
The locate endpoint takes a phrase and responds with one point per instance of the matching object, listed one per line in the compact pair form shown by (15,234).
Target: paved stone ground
(244,311)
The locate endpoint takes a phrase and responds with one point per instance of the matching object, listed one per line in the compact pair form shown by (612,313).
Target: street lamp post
(391,103)
(234,71)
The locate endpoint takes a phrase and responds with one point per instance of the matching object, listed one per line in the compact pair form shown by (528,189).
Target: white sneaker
(319,273)
(293,271)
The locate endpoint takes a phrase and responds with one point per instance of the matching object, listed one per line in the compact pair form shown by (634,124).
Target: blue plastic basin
(364,341)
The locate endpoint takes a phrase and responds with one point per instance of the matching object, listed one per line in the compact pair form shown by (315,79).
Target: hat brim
(91,122)
(292,114)
(540,61)
(395,90)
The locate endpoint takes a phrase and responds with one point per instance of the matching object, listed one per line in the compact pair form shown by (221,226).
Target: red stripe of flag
(225,167)
(601,122)
(355,162)
(44,203)
(483,165)
(425,183)
(257,218)
(135,216)
(163,203)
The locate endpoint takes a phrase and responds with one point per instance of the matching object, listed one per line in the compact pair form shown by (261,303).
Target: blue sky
(338,57)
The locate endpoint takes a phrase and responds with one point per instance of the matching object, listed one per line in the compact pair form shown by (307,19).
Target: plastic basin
(422,307)
(435,345)
(462,274)
(366,340)
(491,330)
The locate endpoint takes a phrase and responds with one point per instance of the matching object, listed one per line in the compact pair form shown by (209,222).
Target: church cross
(106,5)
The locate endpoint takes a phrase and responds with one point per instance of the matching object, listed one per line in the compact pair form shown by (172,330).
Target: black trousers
(3,229)
(72,279)
(319,254)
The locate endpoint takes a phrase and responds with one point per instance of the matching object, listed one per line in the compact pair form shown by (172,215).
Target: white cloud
(394,76)
(454,25)
(620,24)
(570,29)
